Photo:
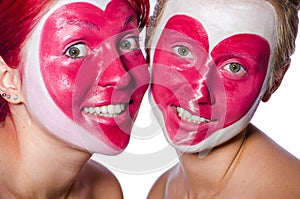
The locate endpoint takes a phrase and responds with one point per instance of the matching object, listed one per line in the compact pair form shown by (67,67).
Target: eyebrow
(93,26)
(128,19)
(84,24)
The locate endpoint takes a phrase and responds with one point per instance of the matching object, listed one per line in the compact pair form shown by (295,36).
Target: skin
(202,82)
(185,56)
(244,179)
(61,159)
(246,164)
(81,80)
(83,178)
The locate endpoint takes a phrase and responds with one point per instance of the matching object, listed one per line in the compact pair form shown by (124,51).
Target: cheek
(240,97)
(135,63)
(59,81)
(164,77)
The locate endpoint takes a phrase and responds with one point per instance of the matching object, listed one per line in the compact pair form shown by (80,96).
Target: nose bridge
(113,71)
(200,86)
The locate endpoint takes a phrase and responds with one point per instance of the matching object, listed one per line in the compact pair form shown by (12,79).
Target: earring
(15,97)
(8,96)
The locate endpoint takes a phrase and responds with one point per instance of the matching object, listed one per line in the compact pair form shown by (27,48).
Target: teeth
(111,110)
(187,116)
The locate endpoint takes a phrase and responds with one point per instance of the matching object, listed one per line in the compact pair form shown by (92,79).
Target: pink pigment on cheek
(250,50)
(70,24)
(188,32)
(253,53)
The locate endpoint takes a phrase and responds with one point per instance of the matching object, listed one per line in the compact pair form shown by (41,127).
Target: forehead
(101,4)
(224,18)
(74,10)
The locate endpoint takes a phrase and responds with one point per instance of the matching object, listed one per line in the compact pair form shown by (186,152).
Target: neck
(208,174)
(35,164)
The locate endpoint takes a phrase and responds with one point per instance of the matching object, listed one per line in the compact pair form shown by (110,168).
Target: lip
(187,115)
(112,127)
(187,132)
(187,125)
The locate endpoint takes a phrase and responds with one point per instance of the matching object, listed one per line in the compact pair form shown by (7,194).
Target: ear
(10,83)
(275,84)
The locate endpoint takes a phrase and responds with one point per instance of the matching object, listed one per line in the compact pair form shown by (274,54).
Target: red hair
(17,20)
(142,7)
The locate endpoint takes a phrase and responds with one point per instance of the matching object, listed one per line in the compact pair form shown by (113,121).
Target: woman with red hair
(72,77)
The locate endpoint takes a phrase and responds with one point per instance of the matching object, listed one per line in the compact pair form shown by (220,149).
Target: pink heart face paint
(201,86)
(239,64)
(94,70)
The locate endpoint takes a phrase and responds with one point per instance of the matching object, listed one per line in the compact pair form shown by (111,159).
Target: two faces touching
(81,74)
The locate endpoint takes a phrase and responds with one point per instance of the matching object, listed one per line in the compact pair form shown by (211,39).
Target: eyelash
(131,39)
(176,49)
(81,47)
(242,72)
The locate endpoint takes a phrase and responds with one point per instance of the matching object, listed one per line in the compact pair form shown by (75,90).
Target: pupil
(183,51)
(74,52)
(235,67)
(125,45)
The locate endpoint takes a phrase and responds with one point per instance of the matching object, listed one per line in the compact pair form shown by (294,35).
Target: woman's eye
(235,69)
(77,51)
(182,51)
(130,43)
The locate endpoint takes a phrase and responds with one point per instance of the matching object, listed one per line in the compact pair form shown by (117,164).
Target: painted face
(210,68)
(91,71)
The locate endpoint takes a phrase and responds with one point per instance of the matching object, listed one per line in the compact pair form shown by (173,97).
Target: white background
(278,118)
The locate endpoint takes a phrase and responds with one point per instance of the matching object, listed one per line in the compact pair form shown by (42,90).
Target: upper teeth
(187,116)
(106,111)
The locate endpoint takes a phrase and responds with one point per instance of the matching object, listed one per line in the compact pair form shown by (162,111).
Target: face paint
(89,73)
(210,69)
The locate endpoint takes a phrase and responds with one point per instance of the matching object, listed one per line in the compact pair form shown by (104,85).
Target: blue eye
(77,51)
(183,51)
(130,43)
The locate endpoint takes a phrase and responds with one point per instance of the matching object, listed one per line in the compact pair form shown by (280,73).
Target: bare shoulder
(101,182)
(271,166)
(159,187)
(261,145)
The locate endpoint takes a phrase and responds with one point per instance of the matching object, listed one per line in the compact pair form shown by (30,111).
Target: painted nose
(114,74)
(202,92)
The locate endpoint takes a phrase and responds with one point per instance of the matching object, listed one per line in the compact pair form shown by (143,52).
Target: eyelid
(74,44)
(175,50)
(238,75)
(130,37)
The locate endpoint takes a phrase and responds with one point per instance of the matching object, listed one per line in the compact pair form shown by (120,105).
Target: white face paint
(219,21)
(51,113)
(100,4)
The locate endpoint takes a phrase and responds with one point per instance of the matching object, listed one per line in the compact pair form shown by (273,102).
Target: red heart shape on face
(93,68)
(201,90)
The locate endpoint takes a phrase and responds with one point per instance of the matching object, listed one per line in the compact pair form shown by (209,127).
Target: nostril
(202,93)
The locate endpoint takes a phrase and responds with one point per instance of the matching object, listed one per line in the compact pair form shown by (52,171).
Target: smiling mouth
(187,116)
(112,110)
